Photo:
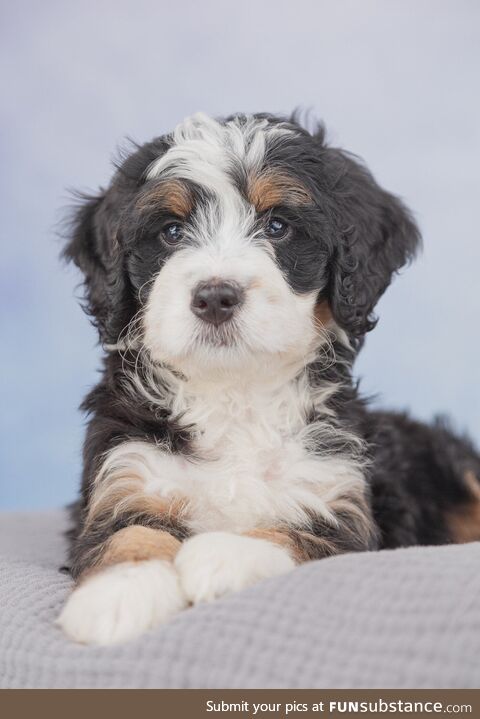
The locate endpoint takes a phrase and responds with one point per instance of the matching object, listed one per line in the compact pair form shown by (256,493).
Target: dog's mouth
(225,335)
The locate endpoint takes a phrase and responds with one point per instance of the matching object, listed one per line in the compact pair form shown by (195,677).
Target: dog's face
(232,244)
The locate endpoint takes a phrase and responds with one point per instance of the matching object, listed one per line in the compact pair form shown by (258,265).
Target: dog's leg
(350,529)
(131,586)
(217,563)
(126,581)
(122,557)
(213,564)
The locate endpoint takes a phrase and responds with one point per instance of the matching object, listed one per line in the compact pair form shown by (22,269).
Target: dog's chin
(212,358)
(220,356)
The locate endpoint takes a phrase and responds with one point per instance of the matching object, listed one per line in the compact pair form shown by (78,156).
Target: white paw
(217,563)
(121,602)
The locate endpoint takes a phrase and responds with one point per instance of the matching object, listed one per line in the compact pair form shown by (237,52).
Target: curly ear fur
(376,237)
(94,249)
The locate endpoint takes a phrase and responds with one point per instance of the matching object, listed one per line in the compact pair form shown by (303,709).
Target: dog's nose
(215,302)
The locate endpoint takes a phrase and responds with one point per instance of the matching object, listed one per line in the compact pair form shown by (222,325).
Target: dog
(232,268)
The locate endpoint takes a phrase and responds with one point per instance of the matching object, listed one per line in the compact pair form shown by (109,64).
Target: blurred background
(396,82)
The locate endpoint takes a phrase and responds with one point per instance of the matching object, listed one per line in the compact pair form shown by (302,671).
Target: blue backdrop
(396,83)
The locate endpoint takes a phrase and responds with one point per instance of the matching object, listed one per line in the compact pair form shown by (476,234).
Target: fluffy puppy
(232,268)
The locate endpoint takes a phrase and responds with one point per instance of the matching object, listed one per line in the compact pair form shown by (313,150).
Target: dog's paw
(213,564)
(121,602)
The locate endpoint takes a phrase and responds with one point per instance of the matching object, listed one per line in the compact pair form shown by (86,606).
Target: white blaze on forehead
(205,150)
(207,153)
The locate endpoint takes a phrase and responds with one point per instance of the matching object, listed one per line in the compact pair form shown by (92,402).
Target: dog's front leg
(129,586)
(214,564)
(127,536)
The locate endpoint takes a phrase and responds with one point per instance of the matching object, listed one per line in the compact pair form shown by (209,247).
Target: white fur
(205,150)
(218,563)
(273,327)
(254,462)
(121,602)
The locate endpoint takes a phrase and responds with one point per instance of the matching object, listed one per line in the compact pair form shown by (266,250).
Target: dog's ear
(93,247)
(376,236)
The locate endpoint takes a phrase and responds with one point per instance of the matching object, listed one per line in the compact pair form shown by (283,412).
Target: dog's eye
(276,228)
(172,232)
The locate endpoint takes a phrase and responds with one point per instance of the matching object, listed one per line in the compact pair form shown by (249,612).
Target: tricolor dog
(232,268)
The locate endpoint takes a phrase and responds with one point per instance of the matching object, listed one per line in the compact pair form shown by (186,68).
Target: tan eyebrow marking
(274,187)
(172,195)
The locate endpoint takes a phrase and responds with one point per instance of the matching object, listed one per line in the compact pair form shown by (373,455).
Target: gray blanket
(407,618)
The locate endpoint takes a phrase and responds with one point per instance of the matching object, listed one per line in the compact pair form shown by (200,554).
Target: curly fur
(254,427)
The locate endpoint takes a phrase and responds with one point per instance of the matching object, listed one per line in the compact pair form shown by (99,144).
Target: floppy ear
(376,237)
(93,247)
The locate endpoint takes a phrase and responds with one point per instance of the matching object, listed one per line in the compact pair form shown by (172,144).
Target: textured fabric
(406,618)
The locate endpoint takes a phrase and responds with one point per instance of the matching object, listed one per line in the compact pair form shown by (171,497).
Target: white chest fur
(252,462)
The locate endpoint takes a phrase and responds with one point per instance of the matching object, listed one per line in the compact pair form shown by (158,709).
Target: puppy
(232,268)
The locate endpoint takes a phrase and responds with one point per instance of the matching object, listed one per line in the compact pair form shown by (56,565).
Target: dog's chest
(250,465)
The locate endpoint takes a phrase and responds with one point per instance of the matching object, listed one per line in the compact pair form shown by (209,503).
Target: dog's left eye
(172,232)
(276,228)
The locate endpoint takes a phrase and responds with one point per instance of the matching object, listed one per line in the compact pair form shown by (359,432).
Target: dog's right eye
(276,228)
(172,232)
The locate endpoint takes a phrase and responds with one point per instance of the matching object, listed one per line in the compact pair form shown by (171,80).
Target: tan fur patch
(273,188)
(137,544)
(133,544)
(355,524)
(126,494)
(283,539)
(171,195)
(300,544)
(322,315)
(310,546)
(464,523)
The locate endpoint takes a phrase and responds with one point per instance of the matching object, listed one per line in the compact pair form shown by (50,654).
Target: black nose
(215,301)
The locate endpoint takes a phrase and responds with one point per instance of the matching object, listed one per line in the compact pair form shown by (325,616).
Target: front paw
(213,564)
(121,602)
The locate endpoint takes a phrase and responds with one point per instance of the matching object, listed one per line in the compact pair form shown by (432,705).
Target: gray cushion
(405,618)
